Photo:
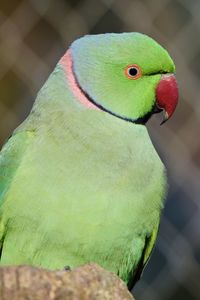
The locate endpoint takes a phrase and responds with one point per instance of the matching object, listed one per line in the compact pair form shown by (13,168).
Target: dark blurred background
(34,34)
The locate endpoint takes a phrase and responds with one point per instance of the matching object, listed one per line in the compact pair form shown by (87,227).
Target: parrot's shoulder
(11,156)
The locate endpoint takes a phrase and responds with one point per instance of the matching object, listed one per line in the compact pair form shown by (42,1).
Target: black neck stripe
(141,120)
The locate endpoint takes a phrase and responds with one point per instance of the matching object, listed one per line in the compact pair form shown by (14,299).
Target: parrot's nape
(80,180)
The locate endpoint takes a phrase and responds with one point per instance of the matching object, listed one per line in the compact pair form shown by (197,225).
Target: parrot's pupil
(133,71)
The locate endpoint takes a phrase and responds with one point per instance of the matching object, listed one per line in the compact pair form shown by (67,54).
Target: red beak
(167,95)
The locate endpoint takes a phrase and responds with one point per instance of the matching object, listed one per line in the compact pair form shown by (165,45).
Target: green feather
(79,185)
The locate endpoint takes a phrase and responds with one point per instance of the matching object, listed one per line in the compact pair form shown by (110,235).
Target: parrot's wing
(148,247)
(11,156)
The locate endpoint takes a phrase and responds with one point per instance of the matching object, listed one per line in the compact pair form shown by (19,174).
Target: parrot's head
(128,75)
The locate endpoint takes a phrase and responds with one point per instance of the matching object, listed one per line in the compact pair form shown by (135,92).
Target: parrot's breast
(90,191)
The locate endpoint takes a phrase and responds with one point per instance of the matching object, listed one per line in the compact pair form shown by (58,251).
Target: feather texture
(79,185)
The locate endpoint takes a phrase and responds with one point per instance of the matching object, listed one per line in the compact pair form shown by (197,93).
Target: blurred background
(34,34)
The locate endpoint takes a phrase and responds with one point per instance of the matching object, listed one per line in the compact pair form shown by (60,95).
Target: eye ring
(133,71)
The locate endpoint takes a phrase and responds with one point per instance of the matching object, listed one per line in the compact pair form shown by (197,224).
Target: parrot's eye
(133,71)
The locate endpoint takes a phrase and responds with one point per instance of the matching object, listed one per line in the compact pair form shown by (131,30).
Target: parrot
(80,180)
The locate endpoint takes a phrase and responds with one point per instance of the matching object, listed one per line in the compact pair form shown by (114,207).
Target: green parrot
(80,180)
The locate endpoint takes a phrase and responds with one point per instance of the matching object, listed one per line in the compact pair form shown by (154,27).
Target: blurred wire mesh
(33,36)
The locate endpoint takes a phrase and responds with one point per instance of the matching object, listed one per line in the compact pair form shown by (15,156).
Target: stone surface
(84,283)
